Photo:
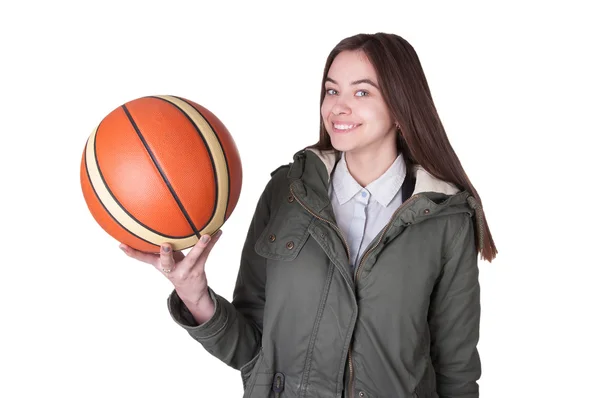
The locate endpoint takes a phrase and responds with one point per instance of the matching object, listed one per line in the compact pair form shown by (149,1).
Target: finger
(166,262)
(200,246)
(201,262)
(209,247)
(149,258)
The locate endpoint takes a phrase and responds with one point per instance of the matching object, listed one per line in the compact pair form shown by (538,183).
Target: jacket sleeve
(233,334)
(454,318)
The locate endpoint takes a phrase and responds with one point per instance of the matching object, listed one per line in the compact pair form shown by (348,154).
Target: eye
(330,91)
(364,93)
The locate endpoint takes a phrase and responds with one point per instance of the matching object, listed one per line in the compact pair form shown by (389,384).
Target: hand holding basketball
(187,273)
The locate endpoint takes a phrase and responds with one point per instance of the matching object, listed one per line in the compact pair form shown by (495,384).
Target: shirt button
(364,194)
(362,394)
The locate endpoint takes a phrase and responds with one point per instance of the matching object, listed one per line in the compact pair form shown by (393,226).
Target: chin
(342,146)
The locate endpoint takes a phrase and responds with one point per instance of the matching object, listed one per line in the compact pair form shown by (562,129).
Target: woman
(359,276)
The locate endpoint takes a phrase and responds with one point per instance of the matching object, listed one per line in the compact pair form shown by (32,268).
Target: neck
(367,166)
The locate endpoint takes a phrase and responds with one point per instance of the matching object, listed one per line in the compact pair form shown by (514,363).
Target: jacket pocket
(286,233)
(248,369)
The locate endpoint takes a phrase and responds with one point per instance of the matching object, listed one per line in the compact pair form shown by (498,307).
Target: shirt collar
(344,185)
(383,189)
(386,187)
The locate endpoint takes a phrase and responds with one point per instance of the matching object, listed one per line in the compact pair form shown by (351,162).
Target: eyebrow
(368,81)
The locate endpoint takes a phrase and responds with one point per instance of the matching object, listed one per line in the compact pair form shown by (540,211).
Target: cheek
(324,110)
(380,115)
(326,107)
(373,111)
(384,112)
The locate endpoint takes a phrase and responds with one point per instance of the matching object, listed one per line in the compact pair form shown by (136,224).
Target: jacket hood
(425,182)
(311,170)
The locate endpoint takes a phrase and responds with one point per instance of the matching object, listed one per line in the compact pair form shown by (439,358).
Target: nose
(341,107)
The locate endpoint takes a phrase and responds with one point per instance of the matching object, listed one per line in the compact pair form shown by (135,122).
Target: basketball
(160,169)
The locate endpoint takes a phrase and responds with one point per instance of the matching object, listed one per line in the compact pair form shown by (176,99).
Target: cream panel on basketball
(218,156)
(117,211)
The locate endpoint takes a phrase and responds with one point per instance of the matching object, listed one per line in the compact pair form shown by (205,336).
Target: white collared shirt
(361,213)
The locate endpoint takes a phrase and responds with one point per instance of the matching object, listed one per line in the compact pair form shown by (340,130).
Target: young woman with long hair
(358,277)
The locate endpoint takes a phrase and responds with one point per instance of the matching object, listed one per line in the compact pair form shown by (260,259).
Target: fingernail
(205,238)
(166,249)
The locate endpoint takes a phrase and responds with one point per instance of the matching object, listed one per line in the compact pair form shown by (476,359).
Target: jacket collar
(425,182)
(311,171)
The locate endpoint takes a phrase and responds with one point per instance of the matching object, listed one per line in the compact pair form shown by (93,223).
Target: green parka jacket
(301,324)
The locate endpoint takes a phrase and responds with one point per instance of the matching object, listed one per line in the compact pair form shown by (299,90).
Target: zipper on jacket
(357,274)
(347,252)
(323,219)
(387,226)
(278,384)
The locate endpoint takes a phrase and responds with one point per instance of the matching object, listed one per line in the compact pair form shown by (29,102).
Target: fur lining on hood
(425,182)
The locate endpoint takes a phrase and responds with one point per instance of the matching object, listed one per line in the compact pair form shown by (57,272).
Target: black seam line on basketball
(210,155)
(224,154)
(162,173)
(118,203)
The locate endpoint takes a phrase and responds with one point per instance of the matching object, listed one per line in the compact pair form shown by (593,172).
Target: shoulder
(277,185)
(279,177)
(460,234)
(283,169)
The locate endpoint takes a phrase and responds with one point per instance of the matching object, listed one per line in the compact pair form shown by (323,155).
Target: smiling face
(354,112)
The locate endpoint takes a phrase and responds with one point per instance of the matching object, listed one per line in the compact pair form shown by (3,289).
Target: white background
(516,86)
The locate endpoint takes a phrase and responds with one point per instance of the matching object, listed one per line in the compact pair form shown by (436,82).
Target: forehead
(350,66)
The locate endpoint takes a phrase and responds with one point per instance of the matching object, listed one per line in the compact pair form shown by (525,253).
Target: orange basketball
(160,169)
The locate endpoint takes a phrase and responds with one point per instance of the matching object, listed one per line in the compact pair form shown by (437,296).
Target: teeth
(344,126)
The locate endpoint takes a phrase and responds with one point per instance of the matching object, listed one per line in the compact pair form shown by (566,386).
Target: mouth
(344,127)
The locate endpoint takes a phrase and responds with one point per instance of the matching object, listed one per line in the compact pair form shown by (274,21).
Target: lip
(343,131)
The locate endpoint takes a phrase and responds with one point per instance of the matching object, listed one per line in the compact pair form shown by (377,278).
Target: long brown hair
(421,138)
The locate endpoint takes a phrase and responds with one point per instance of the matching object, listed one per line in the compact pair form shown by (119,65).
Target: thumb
(166,261)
